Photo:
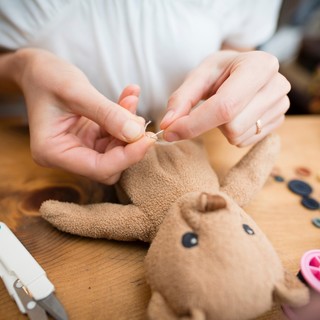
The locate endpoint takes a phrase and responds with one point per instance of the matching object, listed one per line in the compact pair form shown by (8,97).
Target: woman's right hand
(72,125)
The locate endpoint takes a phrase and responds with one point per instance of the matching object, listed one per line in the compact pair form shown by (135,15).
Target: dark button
(278,178)
(300,187)
(310,203)
(316,222)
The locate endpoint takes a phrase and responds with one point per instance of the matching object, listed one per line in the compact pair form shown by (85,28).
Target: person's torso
(151,43)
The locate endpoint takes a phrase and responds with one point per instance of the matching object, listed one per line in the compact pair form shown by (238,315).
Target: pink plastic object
(310,268)
(310,271)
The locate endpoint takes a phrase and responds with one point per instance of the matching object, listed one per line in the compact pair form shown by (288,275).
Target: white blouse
(153,43)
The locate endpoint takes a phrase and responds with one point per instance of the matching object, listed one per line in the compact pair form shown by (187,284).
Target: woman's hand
(73,126)
(238,89)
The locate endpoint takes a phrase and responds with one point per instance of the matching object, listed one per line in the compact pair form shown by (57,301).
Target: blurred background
(297,46)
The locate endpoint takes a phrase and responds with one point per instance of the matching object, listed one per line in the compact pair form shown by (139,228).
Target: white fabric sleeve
(253,22)
(21,21)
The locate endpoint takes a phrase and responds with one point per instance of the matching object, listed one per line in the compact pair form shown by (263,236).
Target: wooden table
(100,279)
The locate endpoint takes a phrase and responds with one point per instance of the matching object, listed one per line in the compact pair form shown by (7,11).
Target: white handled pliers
(25,280)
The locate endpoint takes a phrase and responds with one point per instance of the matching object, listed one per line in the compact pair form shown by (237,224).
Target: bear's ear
(210,202)
(291,291)
(248,176)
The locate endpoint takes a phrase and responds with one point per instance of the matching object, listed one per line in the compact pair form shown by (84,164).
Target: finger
(245,127)
(201,83)
(210,114)
(234,86)
(129,98)
(113,179)
(85,100)
(106,143)
(100,166)
(185,98)
(130,103)
(185,128)
(249,73)
(113,144)
(130,90)
(230,99)
(266,129)
(271,98)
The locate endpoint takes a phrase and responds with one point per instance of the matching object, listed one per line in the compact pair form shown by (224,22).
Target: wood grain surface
(100,279)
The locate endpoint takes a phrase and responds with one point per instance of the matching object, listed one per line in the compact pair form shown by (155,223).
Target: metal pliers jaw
(26,281)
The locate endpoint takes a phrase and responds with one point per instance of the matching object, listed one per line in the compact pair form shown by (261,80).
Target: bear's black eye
(247,229)
(189,240)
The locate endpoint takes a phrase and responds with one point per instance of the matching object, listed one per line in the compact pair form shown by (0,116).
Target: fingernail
(167,116)
(132,130)
(171,136)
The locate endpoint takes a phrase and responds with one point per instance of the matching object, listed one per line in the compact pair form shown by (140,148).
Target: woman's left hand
(242,93)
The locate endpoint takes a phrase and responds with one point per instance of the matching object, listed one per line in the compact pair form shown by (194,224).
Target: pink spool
(310,274)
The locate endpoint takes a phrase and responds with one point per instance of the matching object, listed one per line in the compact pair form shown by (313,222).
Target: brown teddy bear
(208,259)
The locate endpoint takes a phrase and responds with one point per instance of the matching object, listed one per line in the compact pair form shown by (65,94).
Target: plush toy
(207,259)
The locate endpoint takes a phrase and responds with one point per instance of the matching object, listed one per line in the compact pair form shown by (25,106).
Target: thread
(155,135)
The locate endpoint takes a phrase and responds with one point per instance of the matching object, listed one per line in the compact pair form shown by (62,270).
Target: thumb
(114,119)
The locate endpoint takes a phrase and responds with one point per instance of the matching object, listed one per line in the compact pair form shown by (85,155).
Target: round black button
(300,187)
(278,178)
(310,203)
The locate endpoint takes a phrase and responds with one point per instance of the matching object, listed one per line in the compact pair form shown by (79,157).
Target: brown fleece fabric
(208,259)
